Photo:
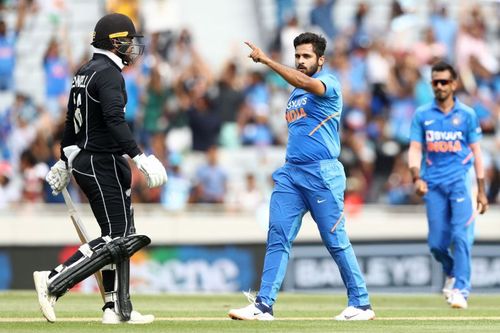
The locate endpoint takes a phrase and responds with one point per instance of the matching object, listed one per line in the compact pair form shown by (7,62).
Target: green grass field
(294,313)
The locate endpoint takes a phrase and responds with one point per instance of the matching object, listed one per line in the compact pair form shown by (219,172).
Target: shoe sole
(371,318)
(36,279)
(139,323)
(235,317)
(128,322)
(356,317)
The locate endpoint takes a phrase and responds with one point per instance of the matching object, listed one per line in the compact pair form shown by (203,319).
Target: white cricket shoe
(111,317)
(449,283)
(45,300)
(457,300)
(250,312)
(352,313)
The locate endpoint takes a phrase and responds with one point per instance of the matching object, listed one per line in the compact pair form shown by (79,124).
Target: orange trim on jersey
(337,223)
(467,158)
(472,218)
(323,122)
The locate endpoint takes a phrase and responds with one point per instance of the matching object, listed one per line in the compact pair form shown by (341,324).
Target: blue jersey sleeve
(332,86)
(416,131)
(474,132)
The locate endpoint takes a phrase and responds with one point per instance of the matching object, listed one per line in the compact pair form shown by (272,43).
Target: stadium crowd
(179,107)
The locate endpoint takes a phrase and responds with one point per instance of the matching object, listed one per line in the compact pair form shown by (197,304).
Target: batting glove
(152,168)
(58,177)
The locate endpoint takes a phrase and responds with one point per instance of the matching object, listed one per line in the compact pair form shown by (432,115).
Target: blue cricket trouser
(450,217)
(317,187)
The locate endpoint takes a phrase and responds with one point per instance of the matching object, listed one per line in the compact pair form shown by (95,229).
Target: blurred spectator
(154,119)
(183,53)
(475,60)
(8,39)
(22,130)
(57,73)
(399,186)
(249,198)
(204,123)
(133,84)
(361,33)
(211,180)
(354,193)
(33,177)
(255,115)
(321,16)
(284,10)
(228,102)
(404,26)
(9,193)
(175,193)
(428,50)
(7,57)
(378,67)
(444,28)
(403,79)
(287,35)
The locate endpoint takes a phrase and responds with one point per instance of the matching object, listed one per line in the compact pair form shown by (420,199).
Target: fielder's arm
(482,200)
(414,162)
(291,75)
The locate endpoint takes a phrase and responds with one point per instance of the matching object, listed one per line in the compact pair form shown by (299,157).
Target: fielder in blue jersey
(312,180)
(445,137)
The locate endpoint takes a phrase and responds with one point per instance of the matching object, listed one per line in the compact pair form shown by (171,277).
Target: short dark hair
(442,66)
(318,42)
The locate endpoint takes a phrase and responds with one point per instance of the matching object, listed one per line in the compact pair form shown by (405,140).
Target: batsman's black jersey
(95,120)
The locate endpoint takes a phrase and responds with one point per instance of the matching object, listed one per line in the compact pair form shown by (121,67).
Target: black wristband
(415,174)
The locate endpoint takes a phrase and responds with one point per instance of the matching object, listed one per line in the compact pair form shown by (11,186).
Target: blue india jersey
(314,122)
(445,140)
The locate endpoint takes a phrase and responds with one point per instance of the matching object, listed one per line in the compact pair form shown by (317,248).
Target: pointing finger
(250,45)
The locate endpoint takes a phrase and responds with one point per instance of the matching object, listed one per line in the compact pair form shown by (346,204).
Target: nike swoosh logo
(350,317)
(320,201)
(460,199)
(428,122)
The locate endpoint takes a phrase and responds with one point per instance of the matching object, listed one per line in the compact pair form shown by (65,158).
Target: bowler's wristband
(415,174)
(480,185)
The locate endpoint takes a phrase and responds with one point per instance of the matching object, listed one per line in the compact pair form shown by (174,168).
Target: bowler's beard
(441,96)
(309,71)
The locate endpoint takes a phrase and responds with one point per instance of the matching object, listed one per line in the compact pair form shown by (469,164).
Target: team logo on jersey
(295,111)
(443,141)
(295,114)
(295,104)
(455,121)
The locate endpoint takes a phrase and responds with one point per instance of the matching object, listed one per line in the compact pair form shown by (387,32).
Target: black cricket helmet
(117,31)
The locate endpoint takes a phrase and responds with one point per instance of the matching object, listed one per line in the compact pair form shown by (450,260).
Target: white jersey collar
(116,59)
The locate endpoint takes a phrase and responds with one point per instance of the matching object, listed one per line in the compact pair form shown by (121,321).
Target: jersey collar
(116,59)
